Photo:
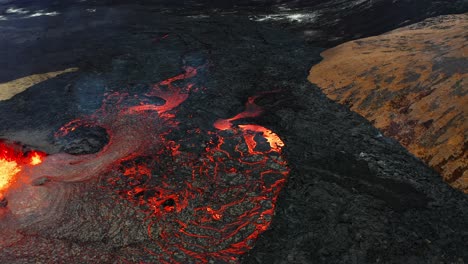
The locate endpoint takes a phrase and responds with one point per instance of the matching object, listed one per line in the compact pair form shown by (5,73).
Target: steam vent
(184,132)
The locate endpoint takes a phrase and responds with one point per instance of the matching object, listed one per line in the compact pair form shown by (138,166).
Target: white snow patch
(14,10)
(290,17)
(43,13)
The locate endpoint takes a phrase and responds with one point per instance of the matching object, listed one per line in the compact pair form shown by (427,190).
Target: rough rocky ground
(411,84)
(353,196)
(323,23)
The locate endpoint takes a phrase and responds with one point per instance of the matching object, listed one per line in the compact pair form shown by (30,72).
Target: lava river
(200,206)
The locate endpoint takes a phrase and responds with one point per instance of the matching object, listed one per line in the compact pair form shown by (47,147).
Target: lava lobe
(200,206)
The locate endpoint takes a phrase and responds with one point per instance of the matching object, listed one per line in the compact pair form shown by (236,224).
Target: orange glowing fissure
(220,217)
(251,110)
(208,205)
(12,161)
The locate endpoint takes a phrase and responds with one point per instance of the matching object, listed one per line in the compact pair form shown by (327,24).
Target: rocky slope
(411,84)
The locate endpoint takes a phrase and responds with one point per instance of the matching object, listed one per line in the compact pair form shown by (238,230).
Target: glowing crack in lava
(207,194)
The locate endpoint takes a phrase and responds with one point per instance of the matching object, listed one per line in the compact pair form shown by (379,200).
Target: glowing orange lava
(273,139)
(251,110)
(207,193)
(8,172)
(9,167)
(36,159)
(12,159)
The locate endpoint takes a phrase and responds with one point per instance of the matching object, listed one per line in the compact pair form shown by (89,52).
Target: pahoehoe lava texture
(352,196)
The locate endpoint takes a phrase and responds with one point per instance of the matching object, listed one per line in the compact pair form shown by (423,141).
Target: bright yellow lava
(36,159)
(8,171)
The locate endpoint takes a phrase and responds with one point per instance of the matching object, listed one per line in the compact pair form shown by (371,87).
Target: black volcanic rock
(83,140)
(323,23)
(328,23)
(353,196)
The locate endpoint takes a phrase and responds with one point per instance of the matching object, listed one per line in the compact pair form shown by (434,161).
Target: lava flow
(207,194)
(210,205)
(12,160)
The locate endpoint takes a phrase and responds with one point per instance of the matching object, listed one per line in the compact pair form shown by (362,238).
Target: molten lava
(36,159)
(207,193)
(251,110)
(12,159)
(209,205)
(8,171)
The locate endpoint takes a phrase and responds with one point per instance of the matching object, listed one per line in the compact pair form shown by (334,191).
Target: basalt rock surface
(324,23)
(411,84)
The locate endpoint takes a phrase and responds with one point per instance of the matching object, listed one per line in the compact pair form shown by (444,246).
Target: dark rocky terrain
(323,23)
(353,196)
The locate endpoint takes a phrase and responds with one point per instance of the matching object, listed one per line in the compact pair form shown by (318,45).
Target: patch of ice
(3,18)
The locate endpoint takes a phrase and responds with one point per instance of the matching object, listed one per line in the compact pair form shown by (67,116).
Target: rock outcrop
(411,84)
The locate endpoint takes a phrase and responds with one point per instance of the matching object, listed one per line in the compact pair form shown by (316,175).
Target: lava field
(157,132)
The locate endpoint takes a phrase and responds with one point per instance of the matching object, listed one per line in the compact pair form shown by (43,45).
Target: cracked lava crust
(206,194)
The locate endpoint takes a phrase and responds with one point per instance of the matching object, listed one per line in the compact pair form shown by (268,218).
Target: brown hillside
(411,83)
